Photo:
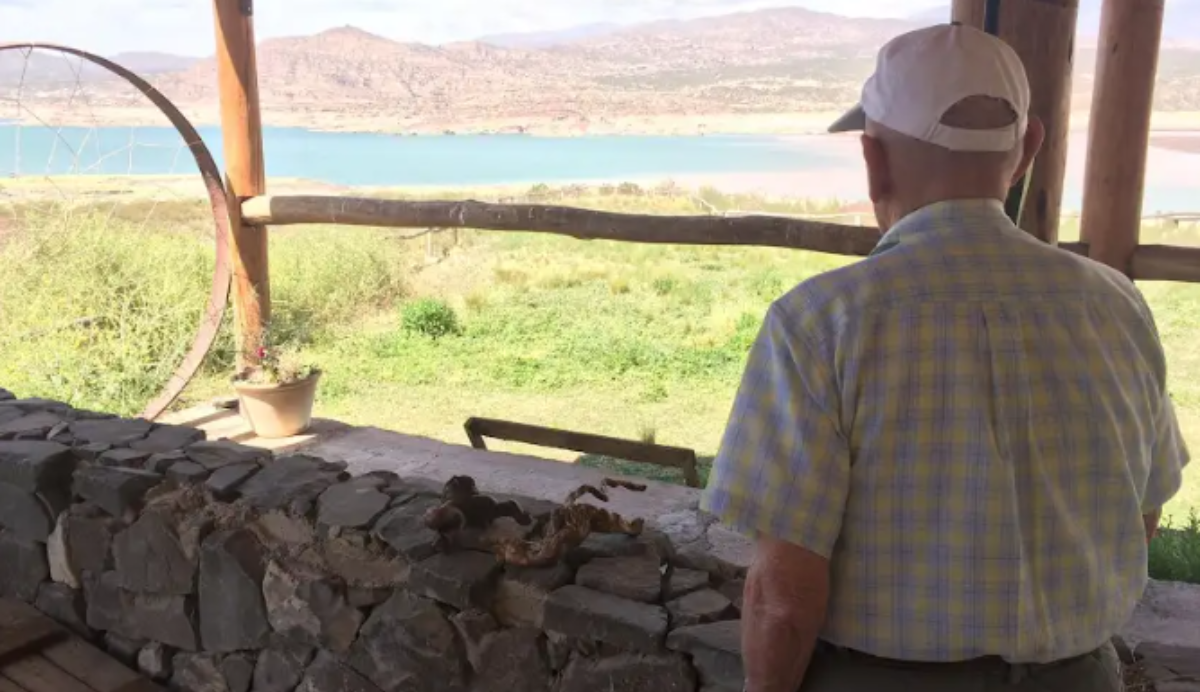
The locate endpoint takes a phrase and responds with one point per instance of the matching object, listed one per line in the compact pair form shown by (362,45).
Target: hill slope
(712,74)
(769,61)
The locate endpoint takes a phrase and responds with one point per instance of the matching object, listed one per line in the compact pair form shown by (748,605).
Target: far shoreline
(843,188)
(1166,125)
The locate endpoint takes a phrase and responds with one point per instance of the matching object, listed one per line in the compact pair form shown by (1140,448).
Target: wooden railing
(1150,262)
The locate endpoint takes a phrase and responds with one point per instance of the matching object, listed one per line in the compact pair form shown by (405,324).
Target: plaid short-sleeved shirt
(970,424)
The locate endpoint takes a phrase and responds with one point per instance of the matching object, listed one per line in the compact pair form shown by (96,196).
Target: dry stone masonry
(215,567)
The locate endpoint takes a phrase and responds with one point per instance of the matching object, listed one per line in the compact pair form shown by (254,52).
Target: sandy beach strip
(1181,141)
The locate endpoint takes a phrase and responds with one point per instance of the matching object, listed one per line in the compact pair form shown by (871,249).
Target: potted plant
(276,393)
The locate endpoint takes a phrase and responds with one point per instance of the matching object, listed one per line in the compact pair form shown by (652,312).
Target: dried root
(628,485)
(570,526)
(586,490)
(567,527)
(464,508)
(554,533)
(602,495)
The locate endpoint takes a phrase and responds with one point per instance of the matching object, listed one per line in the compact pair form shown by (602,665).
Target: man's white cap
(921,74)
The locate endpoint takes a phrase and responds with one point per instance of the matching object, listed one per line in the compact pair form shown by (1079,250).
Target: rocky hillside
(768,62)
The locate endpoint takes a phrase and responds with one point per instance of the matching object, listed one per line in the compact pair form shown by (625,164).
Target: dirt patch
(8,227)
(1136,679)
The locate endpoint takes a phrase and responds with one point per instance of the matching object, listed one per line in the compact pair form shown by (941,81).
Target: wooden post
(245,170)
(1042,32)
(1119,131)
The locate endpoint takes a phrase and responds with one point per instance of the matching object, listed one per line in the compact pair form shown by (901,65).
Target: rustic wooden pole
(1042,32)
(1119,131)
(1150,262)
(245,170)
(585,224)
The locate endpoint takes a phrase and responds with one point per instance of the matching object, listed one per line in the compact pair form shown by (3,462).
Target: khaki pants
(833,670)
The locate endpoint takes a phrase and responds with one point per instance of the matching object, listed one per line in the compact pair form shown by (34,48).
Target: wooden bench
(39,655)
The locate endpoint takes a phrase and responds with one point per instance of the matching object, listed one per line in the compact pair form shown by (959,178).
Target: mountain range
(708,74)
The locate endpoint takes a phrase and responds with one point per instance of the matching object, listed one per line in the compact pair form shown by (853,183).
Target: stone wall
(216,567)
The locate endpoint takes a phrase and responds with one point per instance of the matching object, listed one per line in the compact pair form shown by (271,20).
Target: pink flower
(262,352)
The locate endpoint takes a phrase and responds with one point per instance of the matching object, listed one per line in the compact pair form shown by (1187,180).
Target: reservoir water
(800,166)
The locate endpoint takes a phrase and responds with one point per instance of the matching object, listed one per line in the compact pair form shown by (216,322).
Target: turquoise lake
(377,159)
(797,166)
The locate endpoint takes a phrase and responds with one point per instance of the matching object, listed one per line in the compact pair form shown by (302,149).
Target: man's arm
(1169,453)
(1168,457)
(1150,521)
(782,476)
(787,590)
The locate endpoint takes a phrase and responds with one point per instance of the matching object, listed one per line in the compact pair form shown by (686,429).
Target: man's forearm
(1150,521)
(783,611)
(777,638)
(776,650)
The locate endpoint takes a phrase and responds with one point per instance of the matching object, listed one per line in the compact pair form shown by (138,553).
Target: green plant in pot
(276,393)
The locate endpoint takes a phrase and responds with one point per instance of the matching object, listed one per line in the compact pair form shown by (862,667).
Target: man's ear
(879,176)
(1035,135)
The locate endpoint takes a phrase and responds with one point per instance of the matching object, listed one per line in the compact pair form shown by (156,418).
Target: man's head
(945,116)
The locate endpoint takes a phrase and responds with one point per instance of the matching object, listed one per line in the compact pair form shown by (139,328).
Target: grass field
(98,305)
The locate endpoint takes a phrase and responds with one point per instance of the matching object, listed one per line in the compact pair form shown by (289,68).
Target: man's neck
(901,210)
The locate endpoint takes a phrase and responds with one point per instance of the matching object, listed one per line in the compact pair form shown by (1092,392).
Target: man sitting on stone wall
(952,454)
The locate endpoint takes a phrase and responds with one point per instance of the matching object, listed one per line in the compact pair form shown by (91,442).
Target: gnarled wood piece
(554,533)
(567,527)
(463,507)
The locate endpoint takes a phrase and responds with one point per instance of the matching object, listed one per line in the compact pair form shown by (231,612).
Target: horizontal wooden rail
(585,224)
(1150,262)
(1166,263)
(586,443)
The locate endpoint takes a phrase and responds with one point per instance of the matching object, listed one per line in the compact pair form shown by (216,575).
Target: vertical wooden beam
(245,169)
(1119,131)
(969,12)
(1042,32)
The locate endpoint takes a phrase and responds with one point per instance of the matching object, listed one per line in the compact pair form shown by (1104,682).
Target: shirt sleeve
(1167,459)
(783,468)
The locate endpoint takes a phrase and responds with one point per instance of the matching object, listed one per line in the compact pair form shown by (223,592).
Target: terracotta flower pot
(278,410)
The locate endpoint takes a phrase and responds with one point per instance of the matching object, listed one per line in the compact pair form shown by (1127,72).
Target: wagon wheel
(19,65)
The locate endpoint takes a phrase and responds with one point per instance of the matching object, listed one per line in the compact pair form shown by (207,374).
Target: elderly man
(953,453)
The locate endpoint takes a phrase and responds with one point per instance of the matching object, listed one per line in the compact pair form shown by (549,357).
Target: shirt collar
(953,215)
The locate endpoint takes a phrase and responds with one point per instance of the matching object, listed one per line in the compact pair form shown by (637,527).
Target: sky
(185,26)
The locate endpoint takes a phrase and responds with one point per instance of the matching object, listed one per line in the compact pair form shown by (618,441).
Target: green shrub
(98,308)
(430,317)
(98,312)
(540,191)
(1175,552)
(664,285)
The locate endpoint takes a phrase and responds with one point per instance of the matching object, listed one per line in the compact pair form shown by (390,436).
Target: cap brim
(855,120)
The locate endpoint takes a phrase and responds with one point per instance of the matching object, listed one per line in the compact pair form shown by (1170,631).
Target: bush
(541,191)
(1175,552)
(430,317)
(98,312)
(98,305)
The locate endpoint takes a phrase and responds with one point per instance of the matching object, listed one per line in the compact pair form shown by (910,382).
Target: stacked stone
(216,567)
